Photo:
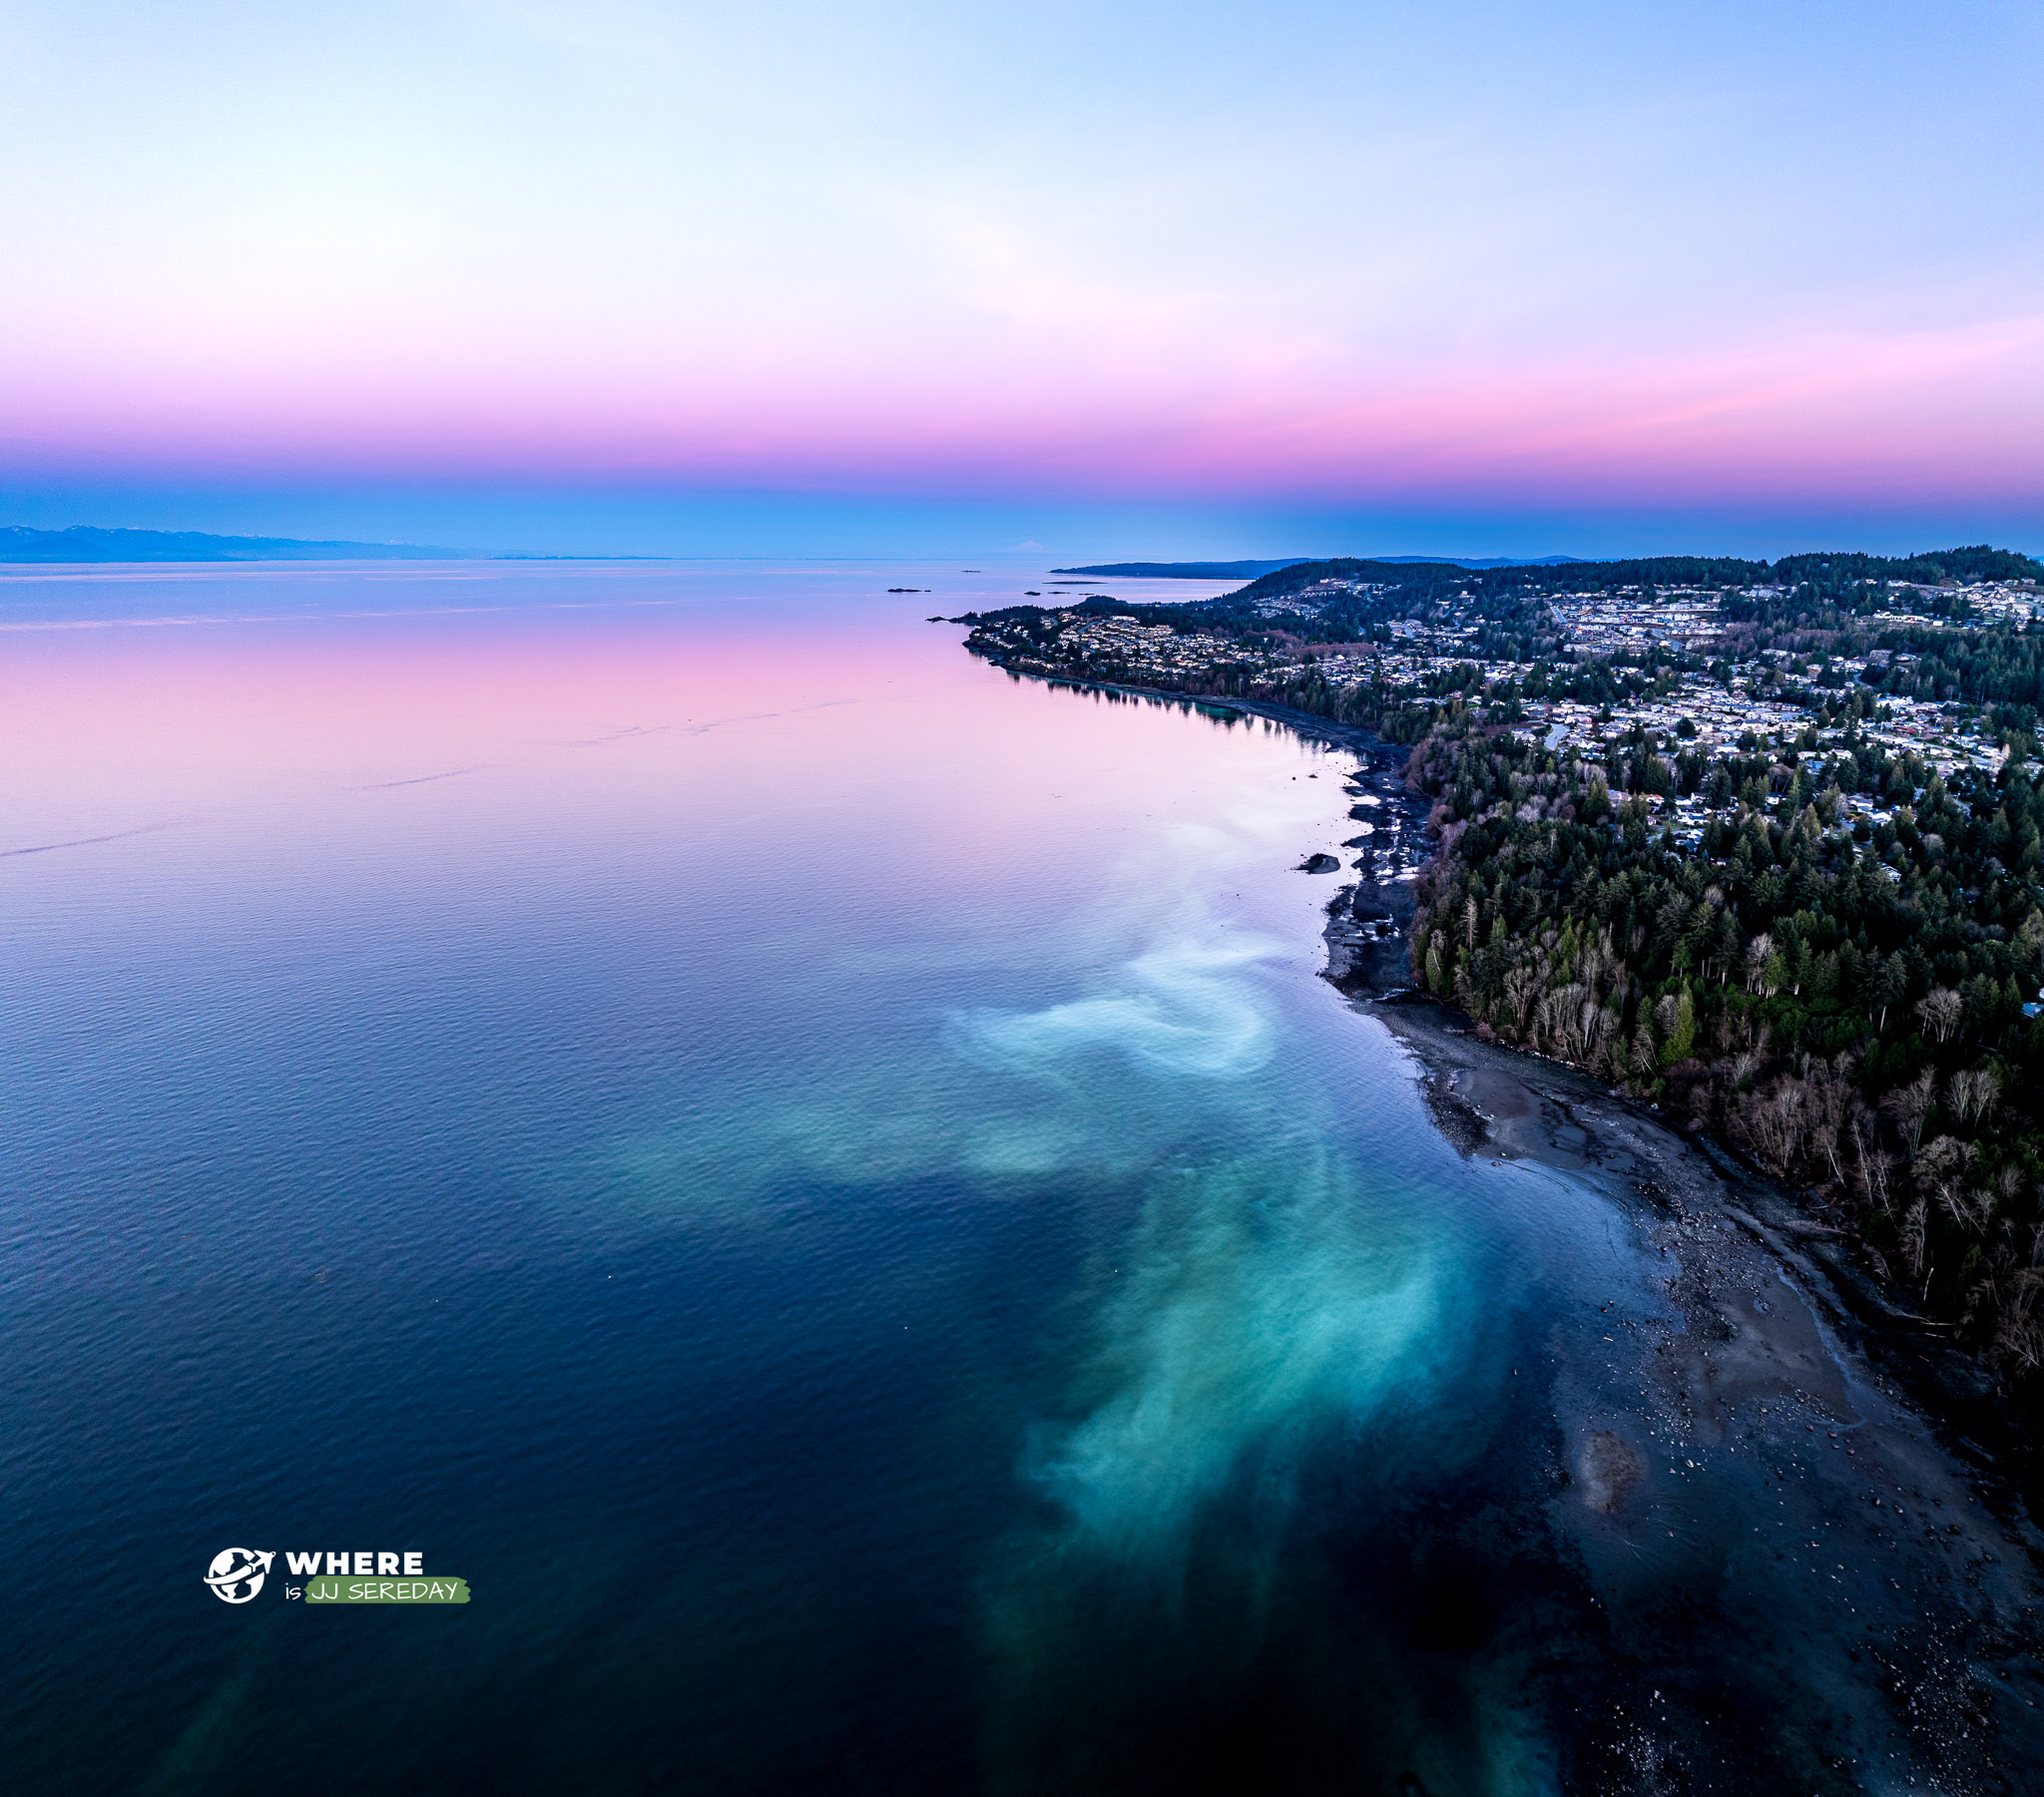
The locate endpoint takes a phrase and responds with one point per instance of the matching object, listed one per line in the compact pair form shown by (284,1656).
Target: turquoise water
(817,1176)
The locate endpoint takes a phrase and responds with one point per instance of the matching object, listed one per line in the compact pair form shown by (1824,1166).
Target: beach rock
(1321,864)
(1609,1470)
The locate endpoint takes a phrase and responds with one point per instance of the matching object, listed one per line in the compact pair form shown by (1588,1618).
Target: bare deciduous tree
(1522,986)
(1942,1012)
(1913,1237)
(1907,1107)
(2019,1334)
(1828,1100)
(1874,1160)
(1757,953)
(1943,1171)
(1973,1094)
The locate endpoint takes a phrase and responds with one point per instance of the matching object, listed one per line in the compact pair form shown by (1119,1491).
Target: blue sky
(1121,278)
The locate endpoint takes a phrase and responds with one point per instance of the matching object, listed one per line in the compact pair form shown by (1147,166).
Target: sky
(1111,278)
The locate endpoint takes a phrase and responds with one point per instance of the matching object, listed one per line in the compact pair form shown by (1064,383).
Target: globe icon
(237,1574)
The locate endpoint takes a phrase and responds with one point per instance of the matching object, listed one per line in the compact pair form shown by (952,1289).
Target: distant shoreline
(86,543)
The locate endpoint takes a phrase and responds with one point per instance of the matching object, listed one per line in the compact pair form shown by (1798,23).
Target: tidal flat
(1751,1462)
(1756,1449)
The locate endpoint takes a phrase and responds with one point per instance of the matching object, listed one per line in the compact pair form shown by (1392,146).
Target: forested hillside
(1844,1000)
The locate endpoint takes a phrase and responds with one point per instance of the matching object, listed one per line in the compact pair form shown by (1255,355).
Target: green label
(386,1590)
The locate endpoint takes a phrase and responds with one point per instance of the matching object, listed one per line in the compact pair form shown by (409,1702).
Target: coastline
(1777,1367)
(1758,1443)
(1486,1092)
(1773,1372)
(1791,925)
(1492,1096)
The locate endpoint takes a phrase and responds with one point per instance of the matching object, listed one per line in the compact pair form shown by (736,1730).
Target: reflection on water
(818,1177)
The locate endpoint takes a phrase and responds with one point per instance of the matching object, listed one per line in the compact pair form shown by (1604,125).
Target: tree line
(1844,999)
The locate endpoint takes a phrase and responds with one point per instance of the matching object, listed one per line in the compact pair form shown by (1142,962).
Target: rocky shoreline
(1751,1446)
(1768,1378)
(1368,959)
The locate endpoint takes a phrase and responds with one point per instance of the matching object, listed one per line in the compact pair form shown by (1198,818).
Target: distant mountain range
(1248,571)
(89,542)
(1185,571)
(86,543)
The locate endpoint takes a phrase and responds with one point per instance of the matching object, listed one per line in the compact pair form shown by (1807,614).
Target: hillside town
(1712,689)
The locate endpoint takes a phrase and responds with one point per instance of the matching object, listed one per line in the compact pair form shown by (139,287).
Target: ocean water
(817,1176)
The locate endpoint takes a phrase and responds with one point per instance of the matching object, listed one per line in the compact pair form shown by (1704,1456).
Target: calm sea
(819,1178)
